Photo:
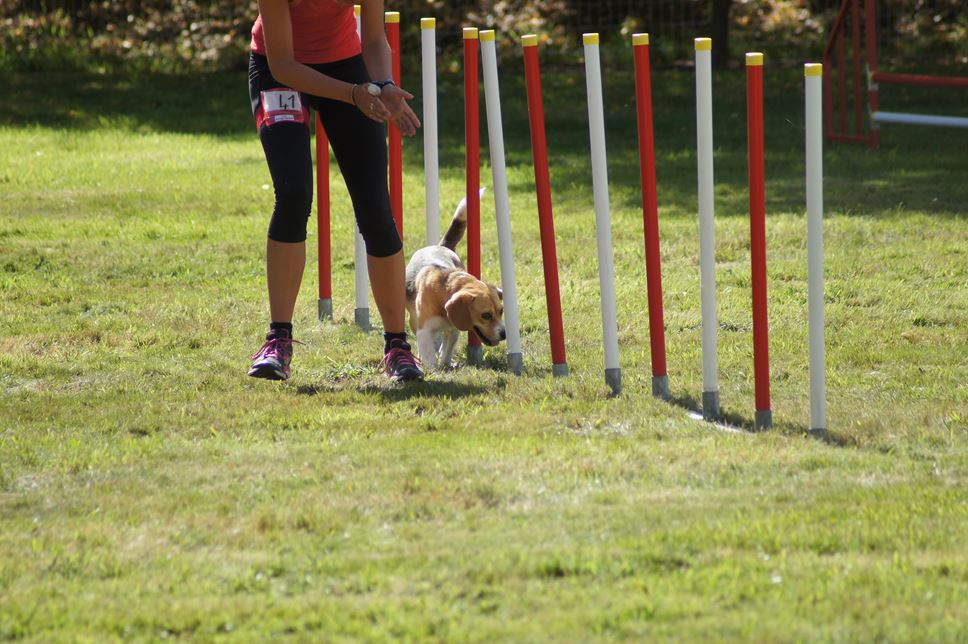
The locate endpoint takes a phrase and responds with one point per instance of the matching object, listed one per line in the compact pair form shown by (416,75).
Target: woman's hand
(395,99)
(369,104)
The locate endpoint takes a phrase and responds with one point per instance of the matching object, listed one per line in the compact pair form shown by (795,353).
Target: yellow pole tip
(470,33)
(428,23)
(704,44)
(754,59)
(392,16)
(640,39)
(813,69)
(529,40)
(488,35)
(357,9)
(590,39)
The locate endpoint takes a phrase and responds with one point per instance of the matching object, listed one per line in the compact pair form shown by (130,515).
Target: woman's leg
(284,271)
(283,124)
(286,148)
(387,279)
(284,131)
(359,145)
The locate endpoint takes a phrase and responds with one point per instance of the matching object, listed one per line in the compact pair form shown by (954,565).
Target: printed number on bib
(281,106)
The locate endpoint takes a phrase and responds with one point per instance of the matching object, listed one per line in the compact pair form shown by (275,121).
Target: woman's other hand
(395,99)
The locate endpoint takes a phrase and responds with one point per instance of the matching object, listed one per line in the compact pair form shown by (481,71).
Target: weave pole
(428,51)
(603,225)
(361,314)
(757,178)
(392,21)
(472,144)
(707,241)
(546,217)
(650,214)
(502,202)
(324,262)
(813,81)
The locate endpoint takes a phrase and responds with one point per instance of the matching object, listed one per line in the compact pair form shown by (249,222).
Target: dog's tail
(457,225)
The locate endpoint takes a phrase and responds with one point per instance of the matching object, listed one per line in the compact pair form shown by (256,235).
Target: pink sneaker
(399,363)
(272,360)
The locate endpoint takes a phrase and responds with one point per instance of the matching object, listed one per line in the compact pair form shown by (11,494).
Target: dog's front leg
(426,348)
(450,337)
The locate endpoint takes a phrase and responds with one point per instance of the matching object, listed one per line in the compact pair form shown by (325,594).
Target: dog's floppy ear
(458,309)
(497,291)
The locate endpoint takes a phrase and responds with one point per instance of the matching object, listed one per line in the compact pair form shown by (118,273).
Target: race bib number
(281,105)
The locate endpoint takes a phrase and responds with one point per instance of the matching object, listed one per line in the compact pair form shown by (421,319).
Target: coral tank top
(323,31)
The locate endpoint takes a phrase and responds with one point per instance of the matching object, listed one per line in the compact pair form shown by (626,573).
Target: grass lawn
(149,489)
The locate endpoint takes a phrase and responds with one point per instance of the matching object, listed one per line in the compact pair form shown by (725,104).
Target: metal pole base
(613,378)
(763,420)
(516,363)
(660,387)
(325,309)
(818,432)
(362,317)
(559,370)
(475,355)
(710,405)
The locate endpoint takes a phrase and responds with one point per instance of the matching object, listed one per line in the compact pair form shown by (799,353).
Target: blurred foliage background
(214,34)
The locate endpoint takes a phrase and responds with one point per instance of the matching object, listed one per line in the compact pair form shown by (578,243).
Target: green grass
(148,489)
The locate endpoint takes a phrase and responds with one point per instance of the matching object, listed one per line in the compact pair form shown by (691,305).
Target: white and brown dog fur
(443,299)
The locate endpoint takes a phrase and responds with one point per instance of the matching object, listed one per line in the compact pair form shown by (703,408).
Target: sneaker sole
(267,372)
(409,377)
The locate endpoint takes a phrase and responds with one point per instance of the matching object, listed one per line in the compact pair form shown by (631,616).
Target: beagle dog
(443,299)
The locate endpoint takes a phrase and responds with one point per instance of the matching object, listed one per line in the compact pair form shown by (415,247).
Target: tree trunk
(720,32)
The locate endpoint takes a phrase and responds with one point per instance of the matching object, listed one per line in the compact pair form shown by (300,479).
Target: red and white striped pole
(546,217)
(324,262)
(650,214)
(392,19)
(757,178)
(472,143)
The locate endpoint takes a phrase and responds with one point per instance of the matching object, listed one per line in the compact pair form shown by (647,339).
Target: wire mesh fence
(916,29)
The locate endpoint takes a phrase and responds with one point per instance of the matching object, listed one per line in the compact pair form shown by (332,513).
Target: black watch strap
(384,83)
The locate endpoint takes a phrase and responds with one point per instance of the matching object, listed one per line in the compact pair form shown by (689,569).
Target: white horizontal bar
(920,119)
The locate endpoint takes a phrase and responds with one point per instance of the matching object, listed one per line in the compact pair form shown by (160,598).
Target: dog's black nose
(503,334)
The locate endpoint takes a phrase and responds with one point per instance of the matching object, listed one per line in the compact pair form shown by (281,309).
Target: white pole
(813,74)
(919,119)
(707,241)
(502,206)
(428,42)
(603,226)
(362,312)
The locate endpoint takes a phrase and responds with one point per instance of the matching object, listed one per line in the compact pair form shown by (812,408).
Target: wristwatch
(383,83)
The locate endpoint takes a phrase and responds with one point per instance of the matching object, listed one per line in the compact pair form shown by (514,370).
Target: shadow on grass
(733,422)
(206,103)
(398,391)
(727,421)
(450,390)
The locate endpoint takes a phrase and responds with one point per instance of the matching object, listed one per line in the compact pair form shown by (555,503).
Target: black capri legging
(359,144)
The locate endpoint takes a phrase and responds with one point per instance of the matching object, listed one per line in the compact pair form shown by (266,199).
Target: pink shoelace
(396,358)
(275,347)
